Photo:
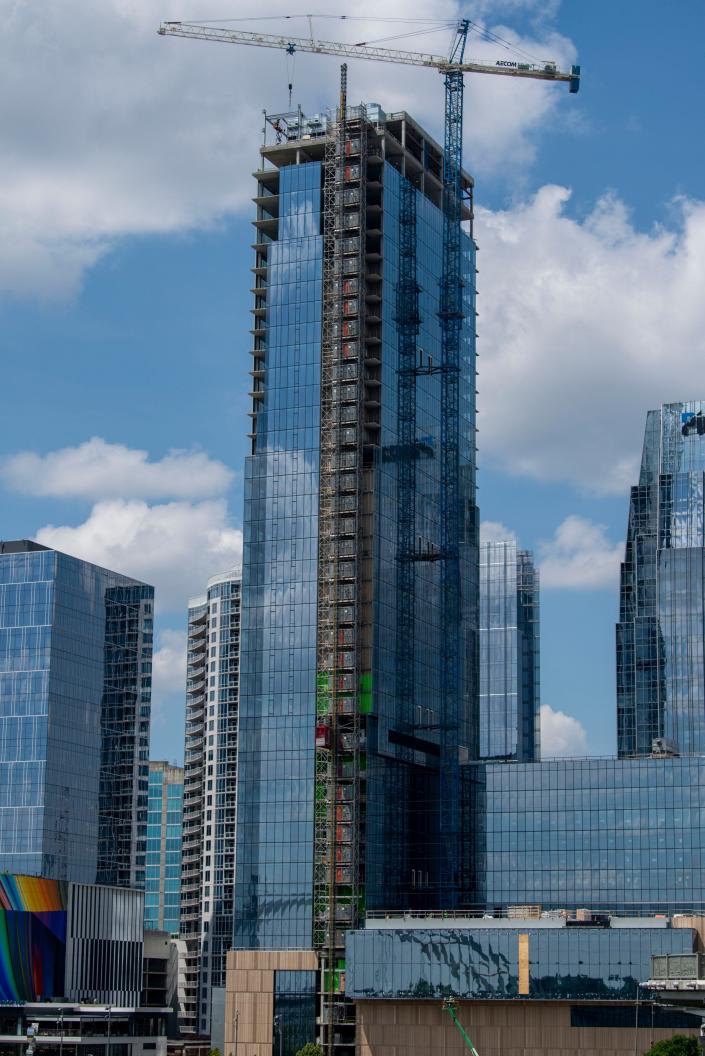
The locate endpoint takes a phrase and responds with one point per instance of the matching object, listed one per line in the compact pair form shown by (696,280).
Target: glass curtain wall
(274,860)
(660,671)
(509,653)
(75,693)
(608,834)
(162,890)
(404,841)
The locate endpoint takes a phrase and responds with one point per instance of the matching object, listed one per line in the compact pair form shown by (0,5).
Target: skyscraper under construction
(359,678)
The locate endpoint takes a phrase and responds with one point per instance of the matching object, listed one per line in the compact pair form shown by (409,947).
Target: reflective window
(564,963)
(74,718)
(660,665)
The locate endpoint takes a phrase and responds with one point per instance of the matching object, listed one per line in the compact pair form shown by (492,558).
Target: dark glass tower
(350,741)
(509,653)
(660,675)
(75,701)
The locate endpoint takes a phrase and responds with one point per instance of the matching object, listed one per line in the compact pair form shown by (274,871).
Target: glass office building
(350,738)
(509,653)
(162,883)
(607,834)
(660,634)
(210,781)
(75,698)
(540,960)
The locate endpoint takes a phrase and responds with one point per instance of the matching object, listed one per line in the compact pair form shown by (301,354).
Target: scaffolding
(339,736)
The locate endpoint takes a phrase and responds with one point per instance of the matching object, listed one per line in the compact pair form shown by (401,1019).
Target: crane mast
(337,893)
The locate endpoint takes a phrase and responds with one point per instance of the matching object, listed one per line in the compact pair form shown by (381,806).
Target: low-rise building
(72,971)
(529,984)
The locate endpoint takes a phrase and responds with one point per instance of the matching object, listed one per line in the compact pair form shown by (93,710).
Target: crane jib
(546,71)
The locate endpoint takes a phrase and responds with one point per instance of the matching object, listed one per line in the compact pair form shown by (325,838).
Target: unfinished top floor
(398,139)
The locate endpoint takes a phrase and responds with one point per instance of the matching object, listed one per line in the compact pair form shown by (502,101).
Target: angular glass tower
(359,647)
(509,653)
(162,885)
(660,674)
(75,701)
(210,779)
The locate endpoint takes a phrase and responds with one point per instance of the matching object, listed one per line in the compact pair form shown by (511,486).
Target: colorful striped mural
(32,937)
(31,894)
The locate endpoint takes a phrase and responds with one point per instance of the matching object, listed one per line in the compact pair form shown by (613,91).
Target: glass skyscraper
(661,629)
(210,780)
(353,717)
(75,698)
(509,653)
(162,884)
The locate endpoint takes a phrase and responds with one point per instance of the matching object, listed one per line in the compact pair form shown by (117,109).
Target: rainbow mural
(32,937)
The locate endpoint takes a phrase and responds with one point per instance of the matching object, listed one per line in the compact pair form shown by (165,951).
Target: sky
(125,212)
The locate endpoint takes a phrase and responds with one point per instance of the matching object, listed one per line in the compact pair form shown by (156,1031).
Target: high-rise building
(162,883)
(509,653)
(75,695)
(359,655)
(660,672)
(210,773)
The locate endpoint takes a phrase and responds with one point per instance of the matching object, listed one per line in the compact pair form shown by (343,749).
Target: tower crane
(451,321)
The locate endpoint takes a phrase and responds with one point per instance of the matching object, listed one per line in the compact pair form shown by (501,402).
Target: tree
(214,1052)
(310,1049)
(678,1045)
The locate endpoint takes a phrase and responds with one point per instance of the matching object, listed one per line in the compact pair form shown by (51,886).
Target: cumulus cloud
(561,734)
(580,556)
(119,131)
(496,532)
(587,324)
(168,668)
(175,546)
(97,470)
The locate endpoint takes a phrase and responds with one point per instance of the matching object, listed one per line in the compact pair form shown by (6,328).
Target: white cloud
(97,470)
(168,668)
(175,546)
(585,325)
(119,131)
(561,734)
(580,556)
(496,532)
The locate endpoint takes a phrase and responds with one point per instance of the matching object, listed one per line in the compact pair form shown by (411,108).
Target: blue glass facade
(75,692)
(509,653)
(606,834)
(660,672)
(274,859)
(405,838)
(162,884)
(295,1001)
(562,963)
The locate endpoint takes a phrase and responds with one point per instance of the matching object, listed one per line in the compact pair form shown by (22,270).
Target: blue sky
(124,292)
